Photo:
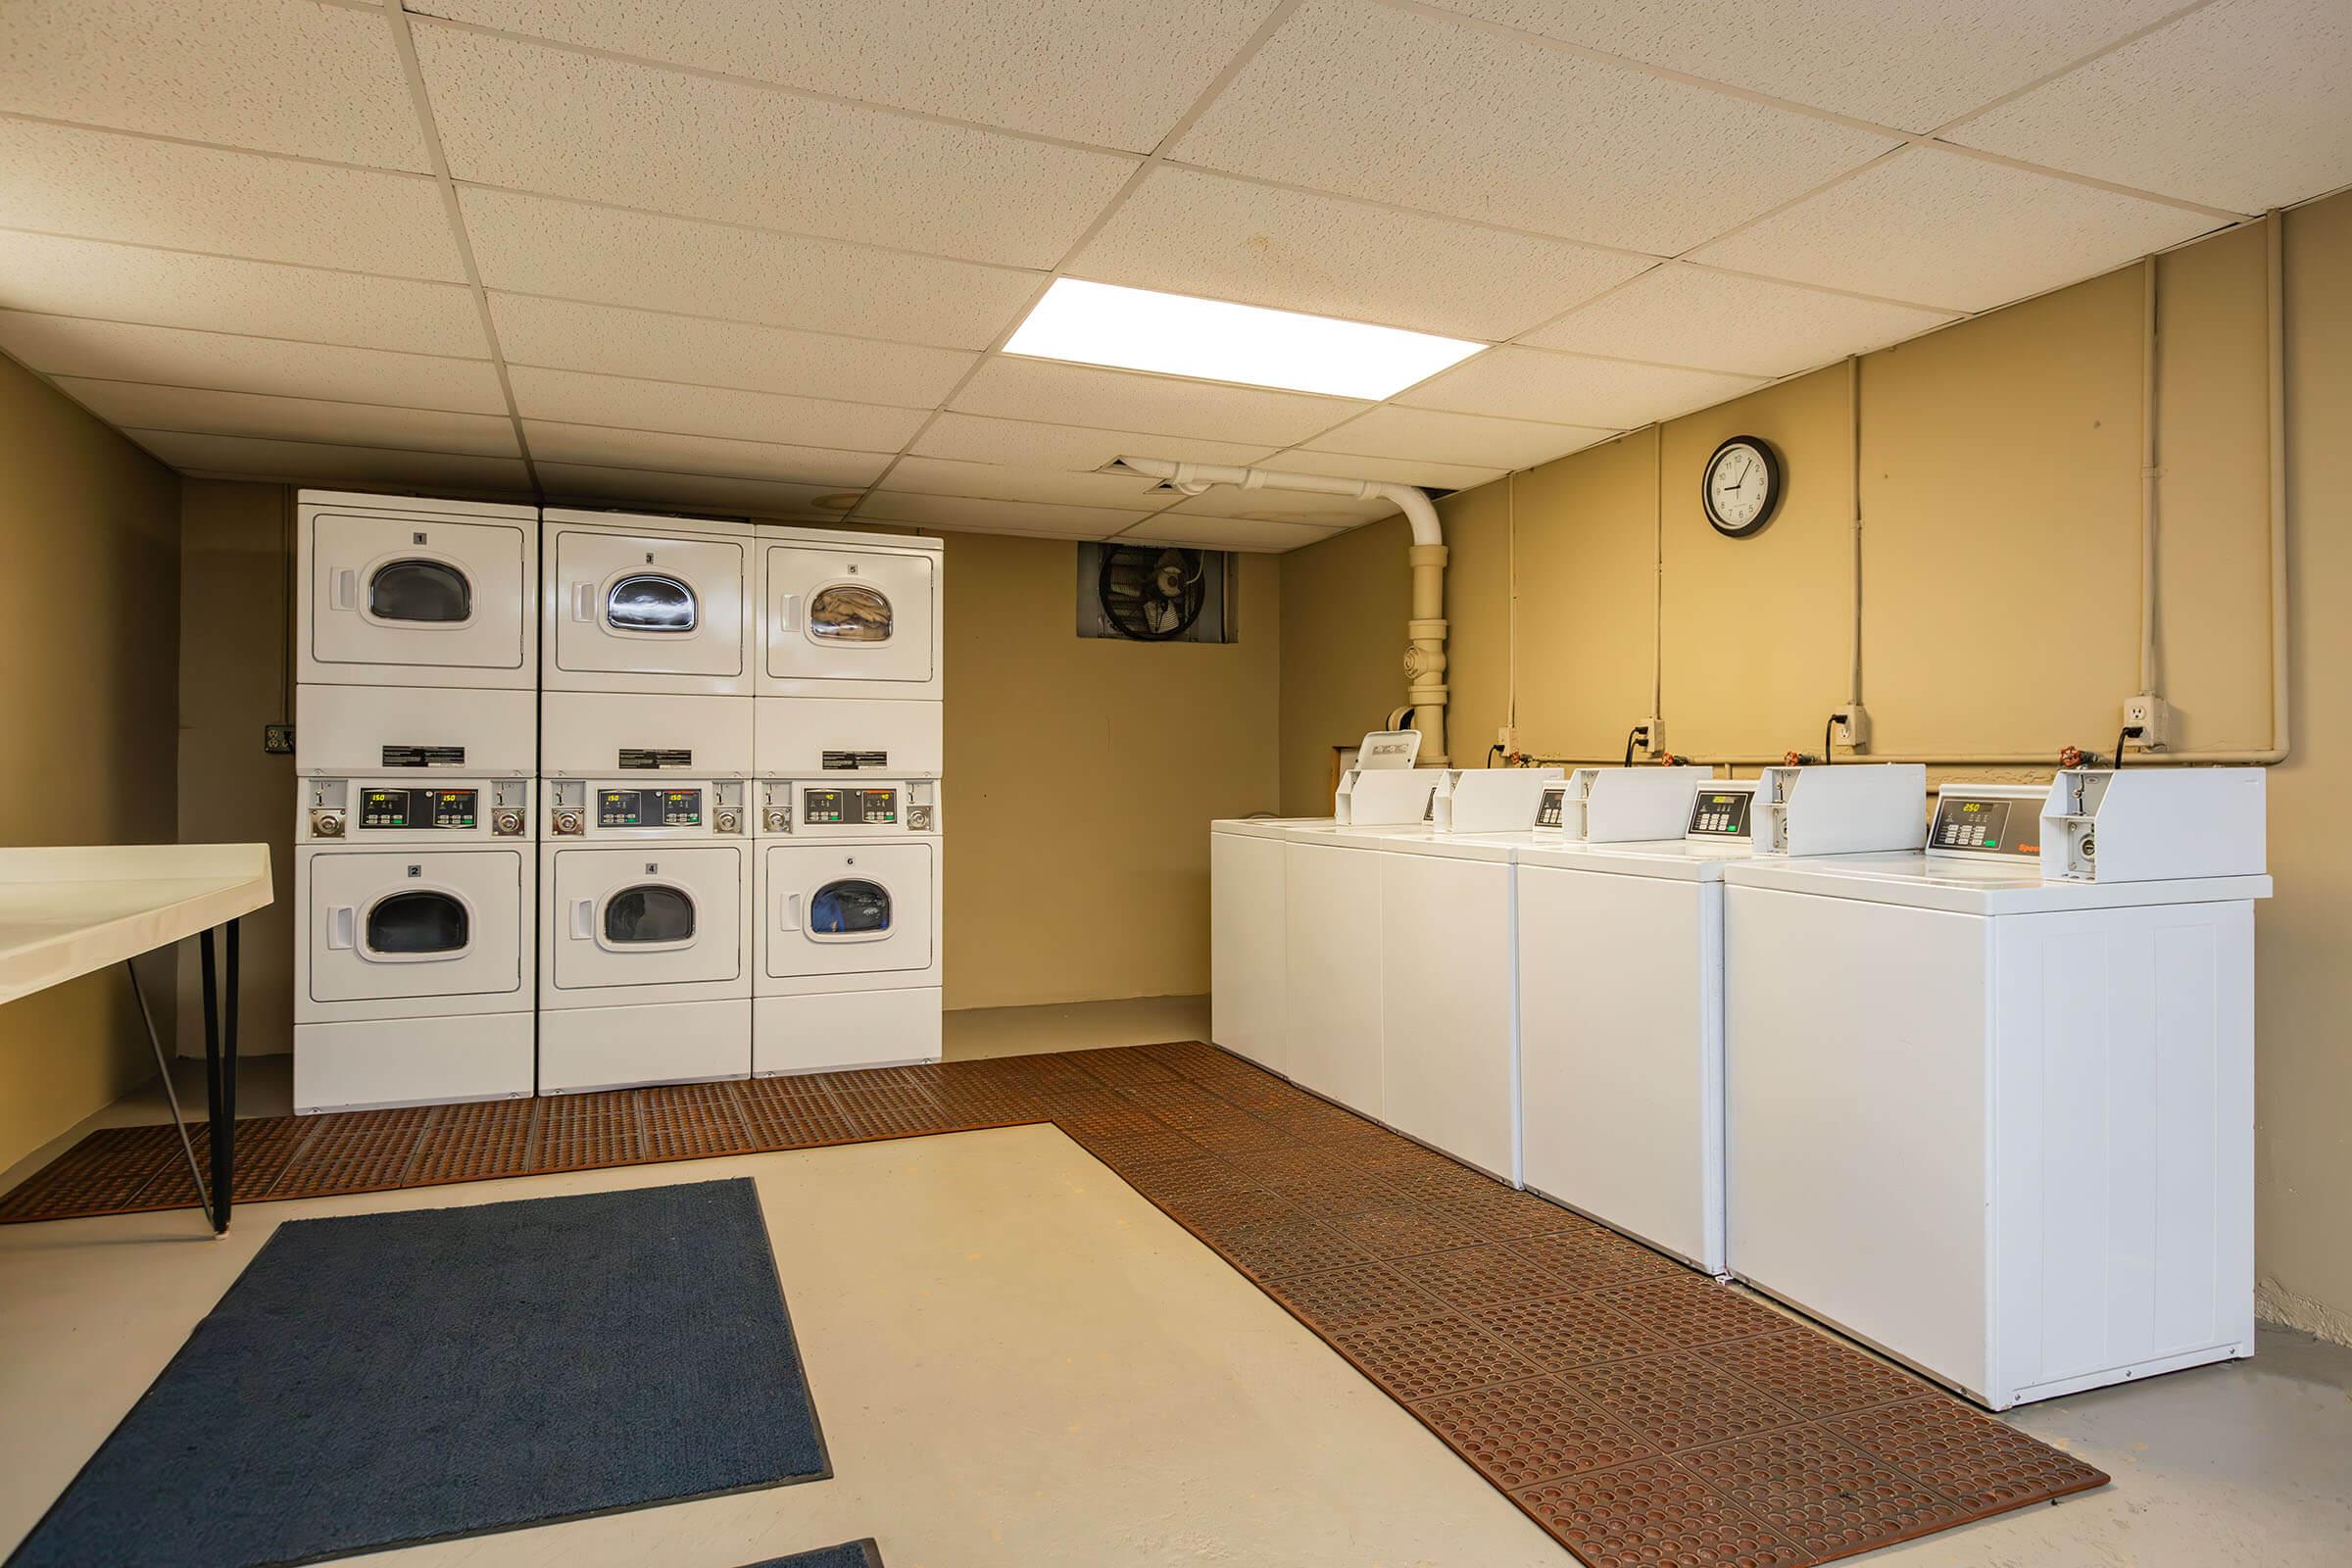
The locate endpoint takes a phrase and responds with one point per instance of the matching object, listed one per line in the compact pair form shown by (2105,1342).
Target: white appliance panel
(649,914)
(412,924)
(593,734)
(373,1063)
(1450,1071)
(394,595)
(836,614)
(583,1049)
(1246,951)
(342,730)
(1332,993)
(845,1029)
(815,736)
(647,611)
(848,909)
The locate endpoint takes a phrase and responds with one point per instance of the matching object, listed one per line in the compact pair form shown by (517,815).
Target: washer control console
(827,807)
(378,811)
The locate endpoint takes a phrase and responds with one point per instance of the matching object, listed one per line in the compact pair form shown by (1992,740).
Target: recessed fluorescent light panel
(1212,340)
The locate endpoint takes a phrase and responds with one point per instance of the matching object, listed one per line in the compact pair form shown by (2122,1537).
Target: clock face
(1742,486)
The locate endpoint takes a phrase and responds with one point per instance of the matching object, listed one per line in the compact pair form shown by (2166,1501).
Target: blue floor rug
(379,1380)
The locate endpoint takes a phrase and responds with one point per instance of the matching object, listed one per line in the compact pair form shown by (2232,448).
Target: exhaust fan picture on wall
(1153,593)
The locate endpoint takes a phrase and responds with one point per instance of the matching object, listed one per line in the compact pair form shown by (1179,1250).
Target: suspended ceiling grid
(725,255)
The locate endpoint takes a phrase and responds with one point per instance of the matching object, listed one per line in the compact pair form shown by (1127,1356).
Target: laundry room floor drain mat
(1640,1412)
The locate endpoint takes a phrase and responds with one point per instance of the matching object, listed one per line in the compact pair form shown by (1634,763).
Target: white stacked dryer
(850,748)
(644,962)
(848,907)
(648,650)
(416,739)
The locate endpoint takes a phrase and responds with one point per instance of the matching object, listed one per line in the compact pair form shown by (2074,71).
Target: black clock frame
(1773,476)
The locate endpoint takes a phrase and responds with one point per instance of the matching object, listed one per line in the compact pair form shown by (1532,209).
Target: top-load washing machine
(416,635)
(849,669)
(1621,994)
(1992,1103)
(648,645)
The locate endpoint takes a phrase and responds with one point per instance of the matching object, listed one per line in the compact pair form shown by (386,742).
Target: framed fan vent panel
(1154,593)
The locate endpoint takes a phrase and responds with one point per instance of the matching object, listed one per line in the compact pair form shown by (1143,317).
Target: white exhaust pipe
(1425,633)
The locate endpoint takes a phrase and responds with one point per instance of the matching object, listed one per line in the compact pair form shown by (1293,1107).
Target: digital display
(620,807)
(1547,810)
(1720,814)
(385,809)
(681,808)
(1981,826)
(409,809)
(851,808)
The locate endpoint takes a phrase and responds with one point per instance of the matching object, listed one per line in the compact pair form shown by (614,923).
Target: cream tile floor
(1017,1361)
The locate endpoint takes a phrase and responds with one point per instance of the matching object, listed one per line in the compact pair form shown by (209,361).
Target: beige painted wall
(90,648)
(1999,477)
(1078,771)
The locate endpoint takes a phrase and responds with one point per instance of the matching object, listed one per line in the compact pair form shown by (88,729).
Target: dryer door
(863,617)
(856,908)
(416,924)
(653,914)
(418,590)
(643,604)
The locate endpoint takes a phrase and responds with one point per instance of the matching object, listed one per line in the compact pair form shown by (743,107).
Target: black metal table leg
(221,1075)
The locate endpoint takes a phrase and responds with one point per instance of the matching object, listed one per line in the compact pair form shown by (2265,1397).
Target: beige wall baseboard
(971,1033)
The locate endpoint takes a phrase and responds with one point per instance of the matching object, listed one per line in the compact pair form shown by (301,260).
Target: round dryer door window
(422,924)
(648,915)
(849,612)
(650,601)
(427,592)
(852,908)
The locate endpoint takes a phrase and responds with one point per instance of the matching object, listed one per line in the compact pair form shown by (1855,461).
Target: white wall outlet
(2152,717)
(1650,736)
(1508,739)
(1850,727)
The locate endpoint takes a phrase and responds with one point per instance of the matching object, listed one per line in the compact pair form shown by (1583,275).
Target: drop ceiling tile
(1682,314)
(575,481)
(171,356)
(1394,470)
(1191,232)
(1071,394)
(940,476)
(1527,383)
(545,120)
(172,289)
(533,245)
(1390,431)
(823,467)
(564,334)
(1225,533)
(318,80)
(1943,229)
(106,185)
(128,405)
(1280,506)
(1398,106)
(312,462)
(1914,65)
(996,517)
(1026,444)
(2243,105)
(571,397)
(1114,73)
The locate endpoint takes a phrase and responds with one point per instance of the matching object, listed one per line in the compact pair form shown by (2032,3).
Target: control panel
(624,808)
(1550,804)
(1721,812)
(1988,819)
(382,810)
(826,808)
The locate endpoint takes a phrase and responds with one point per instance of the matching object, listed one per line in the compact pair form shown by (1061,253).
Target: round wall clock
(1742,486)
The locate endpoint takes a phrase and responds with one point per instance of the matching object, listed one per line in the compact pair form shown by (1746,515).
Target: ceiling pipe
(1425,633)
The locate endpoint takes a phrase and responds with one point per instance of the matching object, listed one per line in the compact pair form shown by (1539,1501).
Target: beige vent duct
(1425,633)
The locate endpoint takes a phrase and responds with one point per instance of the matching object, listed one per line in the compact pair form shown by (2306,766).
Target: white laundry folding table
(67,911)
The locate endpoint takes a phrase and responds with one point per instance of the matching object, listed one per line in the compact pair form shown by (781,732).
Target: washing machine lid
(1915,880)
(1452,846)
(1670,860)
(1265,827)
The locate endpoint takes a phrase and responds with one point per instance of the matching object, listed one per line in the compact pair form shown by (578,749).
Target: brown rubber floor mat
(1641,1414)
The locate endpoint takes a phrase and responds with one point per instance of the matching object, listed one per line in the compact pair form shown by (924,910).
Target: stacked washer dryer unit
(1992,1103)
(416,630)
(646,657)
(848,886)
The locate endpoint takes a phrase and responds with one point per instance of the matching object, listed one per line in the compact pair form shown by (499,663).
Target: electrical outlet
(1650,736)
(2152,717)
(278,739)
(1508,739)
(1851,728)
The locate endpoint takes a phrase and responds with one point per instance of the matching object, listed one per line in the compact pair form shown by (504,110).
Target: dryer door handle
(583,600)
(583,919)
(342,926)
(788,912)
(347,589)
(788,611)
